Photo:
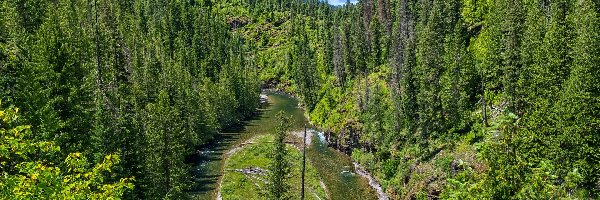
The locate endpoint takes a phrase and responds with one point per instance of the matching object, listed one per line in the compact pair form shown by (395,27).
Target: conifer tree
(579,97)
(534,56)
(403,62)
(512,29)
(455,79)
(429,67)
(165,173)
(280,167)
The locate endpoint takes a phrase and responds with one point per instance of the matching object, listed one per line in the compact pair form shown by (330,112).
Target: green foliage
(89,75)
(280,167)
(404,84)
(244,185)
(377,118)
(26,172)
(473,11)
(165,172)
(578,119)
(410,85)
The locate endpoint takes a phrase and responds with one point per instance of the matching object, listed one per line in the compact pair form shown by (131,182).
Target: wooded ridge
(451,99)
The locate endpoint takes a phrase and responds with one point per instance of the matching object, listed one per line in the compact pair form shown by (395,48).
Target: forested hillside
(453,99)
(444,99)
(146,80)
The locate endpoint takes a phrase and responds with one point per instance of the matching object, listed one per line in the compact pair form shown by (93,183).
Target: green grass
(236,185)
(264,123)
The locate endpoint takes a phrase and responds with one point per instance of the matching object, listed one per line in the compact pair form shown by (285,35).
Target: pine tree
(457,74)
(165,173)
(547,78)
(534,56)
(29,82)
(429,67)
(511,27)
(578,105)
(280,167)
(338,57)
(403,63)
(304,67)
(376,119)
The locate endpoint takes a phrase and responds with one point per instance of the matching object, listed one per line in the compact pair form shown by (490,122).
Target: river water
(336,169)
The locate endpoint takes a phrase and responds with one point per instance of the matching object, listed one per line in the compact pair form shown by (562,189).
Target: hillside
(438,99)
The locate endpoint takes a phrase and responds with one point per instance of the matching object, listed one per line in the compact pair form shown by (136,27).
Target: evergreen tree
(429,67)
(165,173)
(578,103)
(403,63)
(455,79)
(304,67)
(511,28)
(280,167)
(534,56)
(149,81)
(376,119)
(338,57)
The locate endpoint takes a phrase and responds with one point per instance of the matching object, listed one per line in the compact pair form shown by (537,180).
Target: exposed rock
(253,171)
(309,136)
(456,166)
(264,99)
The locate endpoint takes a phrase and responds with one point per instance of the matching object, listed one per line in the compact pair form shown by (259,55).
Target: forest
(437,99)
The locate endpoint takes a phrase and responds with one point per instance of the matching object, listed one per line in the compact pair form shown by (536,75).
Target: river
(336,169)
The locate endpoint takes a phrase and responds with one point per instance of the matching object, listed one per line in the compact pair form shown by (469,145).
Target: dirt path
(238,148)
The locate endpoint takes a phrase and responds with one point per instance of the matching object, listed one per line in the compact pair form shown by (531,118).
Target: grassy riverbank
(245,172)
(328,163)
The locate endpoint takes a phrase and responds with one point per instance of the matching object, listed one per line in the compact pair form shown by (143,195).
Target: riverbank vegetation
(280,166)
(247,175)
(457,99)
